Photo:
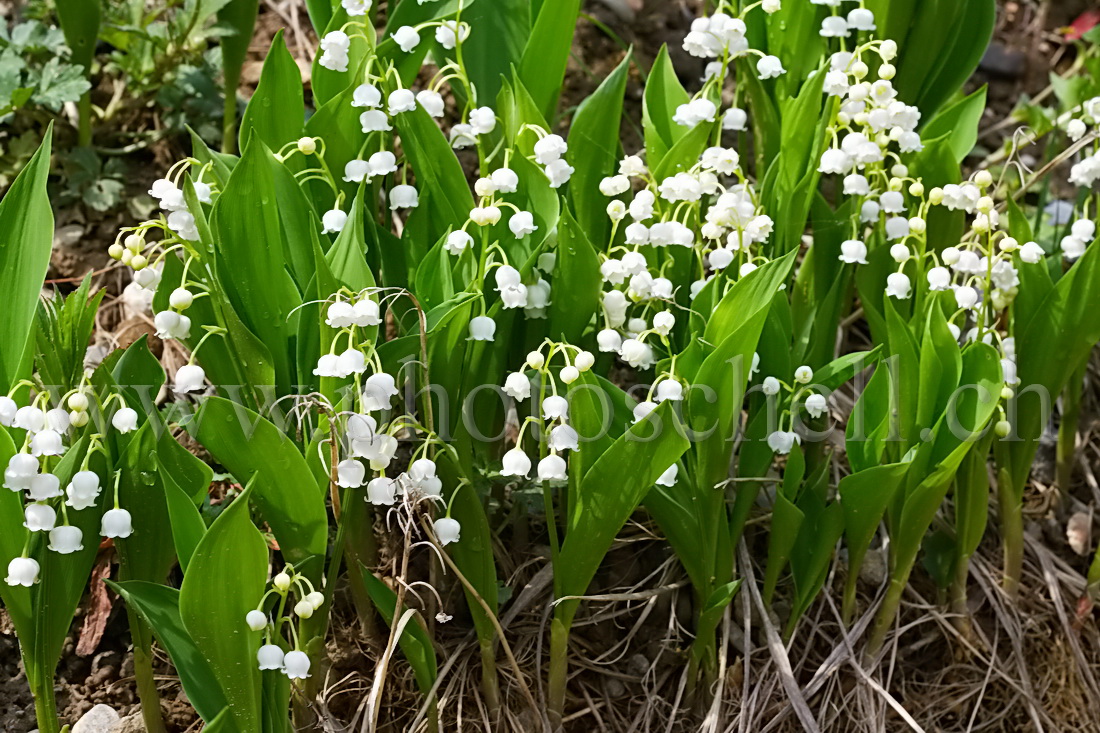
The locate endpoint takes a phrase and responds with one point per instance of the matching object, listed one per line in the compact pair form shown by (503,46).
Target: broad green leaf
(546,55)
(594,150)
(286,493)
(238,17)
(272,110)
(159,606)
(663,94)
(437,169)
(960,123)
(232,556)
(578,265)
(609,492)
(251,247)
(26,221)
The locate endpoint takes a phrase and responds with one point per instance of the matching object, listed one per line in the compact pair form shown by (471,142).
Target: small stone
(100,719)
(132,723)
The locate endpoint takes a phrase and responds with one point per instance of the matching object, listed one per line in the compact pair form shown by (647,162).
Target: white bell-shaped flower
(116,523)
(83,490)
(378,392)
(39,517)
(770,386)
(190,378)
(664,322)
(898,285)
(803,374)
(57,419)
(669,389)
(782,442)
(333,221)
(769,67)
(30,419)
(549,149)
(668,478)
(609,340)
(66,539)
(642,409)
(366,313)
(340,314)
(447,530)
(457,242)
(555,407)
(483,120)
(517,386)
(637,354)
(22,571)
(966,297)
(22,467)
(296,665)
(47,443)
(8,408)
(328,366)
(379,450)
(563,438)
(515,463)
(172,325)
(361,427)
(352,361)
(382,491)
(406,38)
(450,33)
(431,102)
(422,468)
(522,224)
(256,620)
(1032,253)
(44,486)
(350,474)
(853,251)
(401,100)
(558,173)
(482,328)
(373,120)
(125,420)
(366,95)
(816,405)
(939,278)
(270,656)
(552,468)
(403,196)
(382,163)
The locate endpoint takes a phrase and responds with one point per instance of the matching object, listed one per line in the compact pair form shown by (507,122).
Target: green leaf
(960,123)
(251,246)
(286,492)
(80,22)
(239,17)
(272,111)
(231,557)
(437,169)
(26,219)
(594,150)
(546,55)
(159,607)
(663,94)
(609,492)
(498,34)
(578,265)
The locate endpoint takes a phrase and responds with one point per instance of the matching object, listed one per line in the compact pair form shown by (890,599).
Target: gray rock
(100,719)
(132,723)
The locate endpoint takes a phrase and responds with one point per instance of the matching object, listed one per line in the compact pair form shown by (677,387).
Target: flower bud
(78,402)
(803,374)
(535,360)
(115,251)
(281,581)
(859,69)
(983,179)
(303,608)
(1002,428)
(1007,393)
(78,419)
(887,71)
(316,599)
(584,360)
(135,243)
(138,262)
(916,189)
(181,299)
(569,374)
(307,145)
(256,619)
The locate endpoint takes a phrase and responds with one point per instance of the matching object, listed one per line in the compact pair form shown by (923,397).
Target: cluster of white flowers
(30,471)
(552,422)
(271,656)
(1086,171)
(721,36)
(800,395)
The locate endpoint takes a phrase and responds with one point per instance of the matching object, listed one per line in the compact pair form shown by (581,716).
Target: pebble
(100,719)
